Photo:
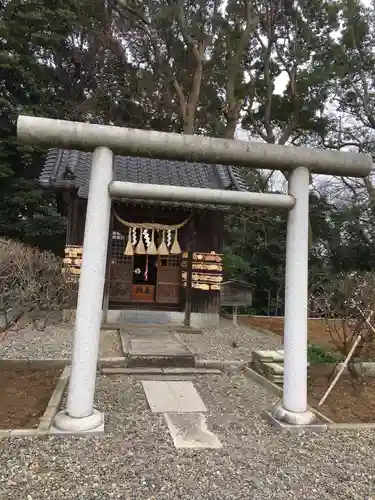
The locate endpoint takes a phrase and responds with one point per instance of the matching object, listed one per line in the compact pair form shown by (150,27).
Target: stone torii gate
(105,141)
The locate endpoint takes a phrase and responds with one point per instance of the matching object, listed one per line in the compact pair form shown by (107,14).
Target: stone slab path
(155,345)
(173,397)
(189,430)
(183,410)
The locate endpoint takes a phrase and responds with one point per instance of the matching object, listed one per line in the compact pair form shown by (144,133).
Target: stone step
(277,380)
(274,369)
(270,364)
(160,361)
(272,356)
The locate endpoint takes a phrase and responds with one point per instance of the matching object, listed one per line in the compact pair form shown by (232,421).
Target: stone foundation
(121,316)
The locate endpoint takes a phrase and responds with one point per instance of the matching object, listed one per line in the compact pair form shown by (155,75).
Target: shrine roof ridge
(70,170)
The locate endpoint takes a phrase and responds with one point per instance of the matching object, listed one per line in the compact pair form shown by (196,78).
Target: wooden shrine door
(120,271)
(168,279)
(121,281)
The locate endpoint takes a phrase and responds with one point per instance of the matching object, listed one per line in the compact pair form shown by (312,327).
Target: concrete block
(189,430)
(175,397)
(273,368)
(268,356)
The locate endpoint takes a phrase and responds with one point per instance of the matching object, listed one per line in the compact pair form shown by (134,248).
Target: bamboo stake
(347,359)
(344,365)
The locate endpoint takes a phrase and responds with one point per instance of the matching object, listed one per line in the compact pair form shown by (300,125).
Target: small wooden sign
(143,293)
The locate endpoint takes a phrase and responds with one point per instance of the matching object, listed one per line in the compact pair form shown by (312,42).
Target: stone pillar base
(285,420)
(64,424)
(291,418)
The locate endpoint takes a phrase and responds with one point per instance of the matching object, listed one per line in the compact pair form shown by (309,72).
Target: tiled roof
(70,169)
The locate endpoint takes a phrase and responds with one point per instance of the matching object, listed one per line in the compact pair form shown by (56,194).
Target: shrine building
(164,256)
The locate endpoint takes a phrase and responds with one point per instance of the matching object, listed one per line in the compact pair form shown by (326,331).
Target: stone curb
(119,362)
(267,384)
(115,362)
(36,364)
(51,410)
(355,426)
(160,371)
(56,363)
(8,433)
(55,401)
(227,365)
(363,367)
(125,343)
(189,330)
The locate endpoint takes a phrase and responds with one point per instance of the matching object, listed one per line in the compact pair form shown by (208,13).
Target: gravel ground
(216,343)
(136,459)
(55,342)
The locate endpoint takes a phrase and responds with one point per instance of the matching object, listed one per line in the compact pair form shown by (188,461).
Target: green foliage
(30,33)
(136,64)
(317,355)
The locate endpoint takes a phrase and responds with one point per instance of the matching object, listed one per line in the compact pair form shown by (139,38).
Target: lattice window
(118,248)
(170,261)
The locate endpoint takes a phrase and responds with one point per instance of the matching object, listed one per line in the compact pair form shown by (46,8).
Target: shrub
(317,355)
(31,282)
(347,303)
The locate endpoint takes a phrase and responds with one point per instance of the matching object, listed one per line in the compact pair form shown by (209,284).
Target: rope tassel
(140,248)
(129,246)
(152,250)
(176,249)
(163,249)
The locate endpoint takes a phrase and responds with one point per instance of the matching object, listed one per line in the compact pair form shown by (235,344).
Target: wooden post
(107,272)
(189,272)
(73,237)
(68,237)
(189,280)
(235,315)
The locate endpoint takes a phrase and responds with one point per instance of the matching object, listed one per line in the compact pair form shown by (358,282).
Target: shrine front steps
(178,328)
(149,361)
